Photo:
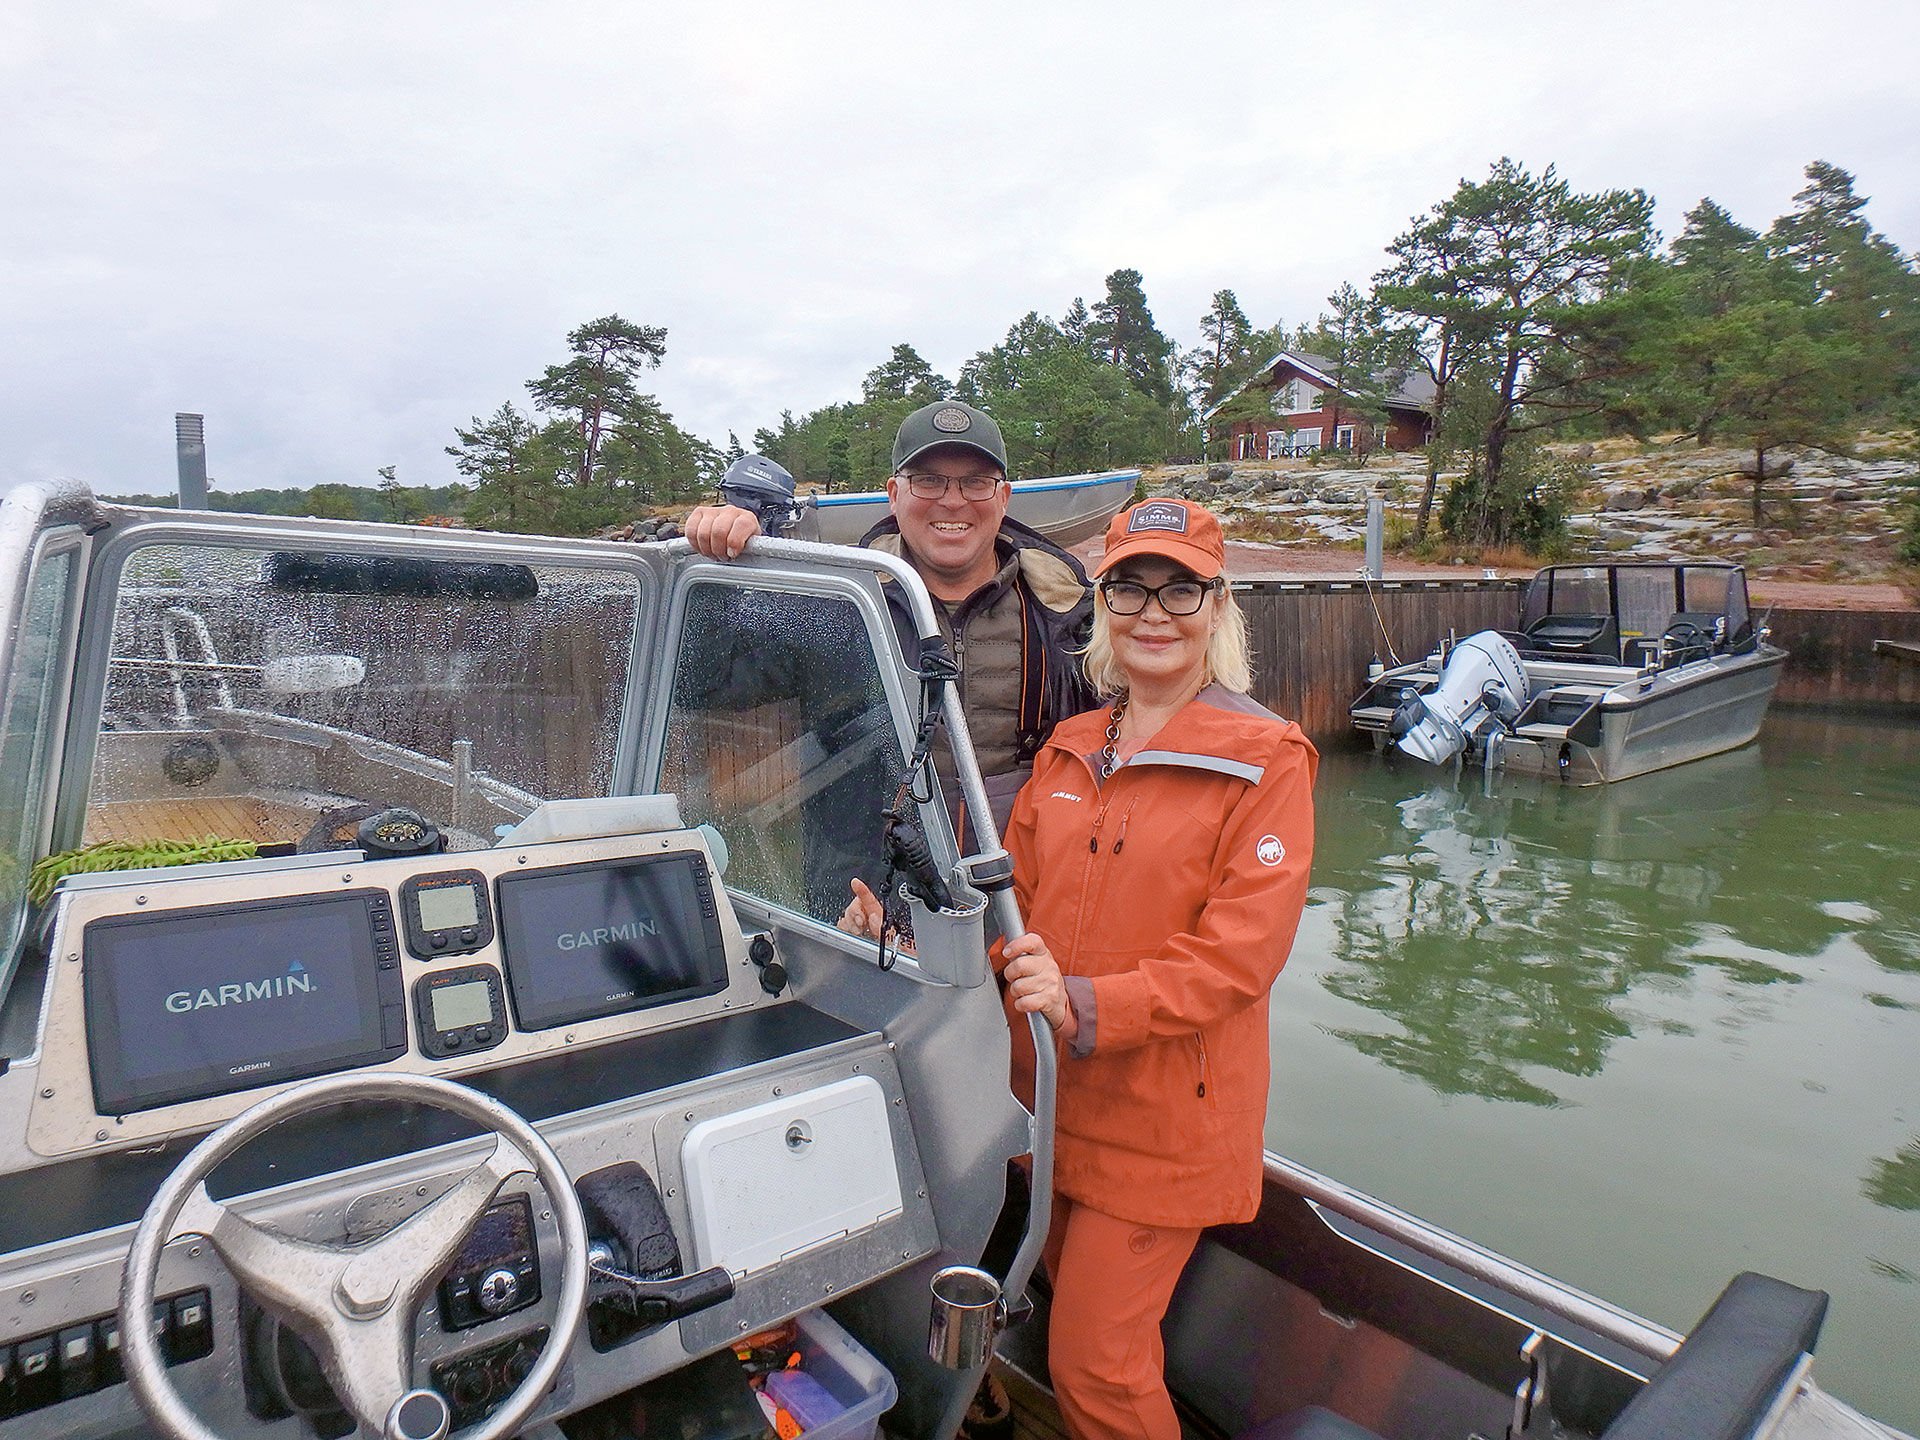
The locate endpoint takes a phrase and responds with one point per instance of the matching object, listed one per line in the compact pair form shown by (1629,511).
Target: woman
(1160,857)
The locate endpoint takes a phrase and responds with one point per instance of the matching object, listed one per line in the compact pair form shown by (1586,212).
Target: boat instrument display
(196,991)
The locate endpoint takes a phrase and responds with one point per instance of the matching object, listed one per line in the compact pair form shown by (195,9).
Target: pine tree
(1124,334)
(1534,281)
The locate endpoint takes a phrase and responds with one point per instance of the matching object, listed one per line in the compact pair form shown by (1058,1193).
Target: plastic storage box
(851,1376)
(710,1397)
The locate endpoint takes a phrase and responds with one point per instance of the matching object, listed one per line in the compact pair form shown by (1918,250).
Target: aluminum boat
(420,1012)
(1613,671)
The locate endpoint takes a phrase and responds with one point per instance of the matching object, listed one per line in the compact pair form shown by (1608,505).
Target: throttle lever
(653,1302)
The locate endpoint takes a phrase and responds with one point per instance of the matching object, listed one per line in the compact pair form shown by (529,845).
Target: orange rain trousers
(1112,1280)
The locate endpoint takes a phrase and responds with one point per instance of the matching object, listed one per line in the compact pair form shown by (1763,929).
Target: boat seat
(1726,1373)
(1311,1422)
(1578,634)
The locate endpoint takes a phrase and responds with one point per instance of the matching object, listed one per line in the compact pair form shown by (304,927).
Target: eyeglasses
(923,486)
(1176,597)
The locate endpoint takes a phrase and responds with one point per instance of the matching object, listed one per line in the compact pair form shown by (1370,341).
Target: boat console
(493,1053)
(604,983)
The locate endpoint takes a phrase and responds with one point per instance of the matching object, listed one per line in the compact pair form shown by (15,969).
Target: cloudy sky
(340,229)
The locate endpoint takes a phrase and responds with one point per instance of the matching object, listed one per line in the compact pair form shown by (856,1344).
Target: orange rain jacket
(1173,892)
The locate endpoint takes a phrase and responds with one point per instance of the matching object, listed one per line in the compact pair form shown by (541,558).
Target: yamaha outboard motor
(1483,686)
(753,482)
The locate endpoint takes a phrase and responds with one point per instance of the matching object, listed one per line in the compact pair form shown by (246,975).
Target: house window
(1305,442)
(1343,438)
(1286,398)
(1276,444)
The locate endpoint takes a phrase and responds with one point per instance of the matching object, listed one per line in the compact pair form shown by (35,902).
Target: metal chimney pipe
(190,450)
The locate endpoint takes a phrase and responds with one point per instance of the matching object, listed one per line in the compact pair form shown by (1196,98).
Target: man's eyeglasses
(923,486)
(1176,597)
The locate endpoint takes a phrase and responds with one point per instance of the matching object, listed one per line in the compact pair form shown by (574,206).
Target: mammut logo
(1157,515)
(1063,795)
(212,997)
(1270,850)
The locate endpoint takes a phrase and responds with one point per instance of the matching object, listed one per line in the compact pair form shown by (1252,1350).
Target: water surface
(1640,1036)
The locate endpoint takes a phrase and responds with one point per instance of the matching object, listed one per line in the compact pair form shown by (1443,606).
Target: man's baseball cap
(1179,530)
(948,422)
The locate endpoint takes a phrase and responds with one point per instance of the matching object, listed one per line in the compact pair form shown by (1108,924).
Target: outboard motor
(753,482)
(1482,686)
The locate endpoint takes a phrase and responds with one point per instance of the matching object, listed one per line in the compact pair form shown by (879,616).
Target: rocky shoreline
(1829,517)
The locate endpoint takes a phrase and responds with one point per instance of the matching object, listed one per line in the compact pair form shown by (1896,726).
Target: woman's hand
(864,914)
(1033,979)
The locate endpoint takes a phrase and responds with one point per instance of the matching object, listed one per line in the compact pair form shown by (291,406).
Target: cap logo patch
(1154,515)
(952,420)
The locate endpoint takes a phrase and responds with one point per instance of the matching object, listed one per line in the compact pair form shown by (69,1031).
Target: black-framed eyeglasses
(923,486)
(1176,597)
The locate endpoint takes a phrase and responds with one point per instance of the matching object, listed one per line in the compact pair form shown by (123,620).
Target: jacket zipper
(1086,878)
(1201,1041)
(1126,815)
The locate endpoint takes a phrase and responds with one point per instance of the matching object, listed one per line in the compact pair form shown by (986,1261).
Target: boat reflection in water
(1637,1034)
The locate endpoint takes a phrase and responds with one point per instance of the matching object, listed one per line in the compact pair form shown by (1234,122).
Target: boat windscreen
(240,707)
(1648,599)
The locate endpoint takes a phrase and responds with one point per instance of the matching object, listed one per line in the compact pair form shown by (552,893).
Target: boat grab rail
(1622,1327)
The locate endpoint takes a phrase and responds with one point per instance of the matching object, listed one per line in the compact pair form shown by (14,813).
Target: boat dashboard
(602,987)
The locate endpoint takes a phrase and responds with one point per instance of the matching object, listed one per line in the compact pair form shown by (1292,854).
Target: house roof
(1415,391)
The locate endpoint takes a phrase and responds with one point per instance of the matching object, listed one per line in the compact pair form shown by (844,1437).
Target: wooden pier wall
(1833,662)
(1313,639)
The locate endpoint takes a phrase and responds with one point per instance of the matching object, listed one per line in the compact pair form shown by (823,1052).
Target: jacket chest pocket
(1146,850)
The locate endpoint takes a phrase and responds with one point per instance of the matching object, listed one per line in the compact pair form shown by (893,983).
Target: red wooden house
(1307,416)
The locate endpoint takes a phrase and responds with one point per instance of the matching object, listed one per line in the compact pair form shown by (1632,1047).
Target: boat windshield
(286,698)
(27,730)
(780,736)
(1643,598)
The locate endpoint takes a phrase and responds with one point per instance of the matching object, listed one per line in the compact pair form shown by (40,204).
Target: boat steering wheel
(1684,635)
(355,1305)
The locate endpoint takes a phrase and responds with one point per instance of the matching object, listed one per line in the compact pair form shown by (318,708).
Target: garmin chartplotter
(609,937)
(184,1004)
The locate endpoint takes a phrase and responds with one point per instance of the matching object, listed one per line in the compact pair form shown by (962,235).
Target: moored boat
(1612,672)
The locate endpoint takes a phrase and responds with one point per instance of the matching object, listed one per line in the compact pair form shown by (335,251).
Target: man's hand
(721,532)
(1033,979)
(864,914)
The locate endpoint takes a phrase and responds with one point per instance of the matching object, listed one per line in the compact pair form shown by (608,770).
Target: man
(1013,607)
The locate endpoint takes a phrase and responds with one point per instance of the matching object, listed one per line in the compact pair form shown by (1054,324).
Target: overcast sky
(341,229)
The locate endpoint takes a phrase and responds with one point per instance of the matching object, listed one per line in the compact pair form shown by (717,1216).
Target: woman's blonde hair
(1229,661)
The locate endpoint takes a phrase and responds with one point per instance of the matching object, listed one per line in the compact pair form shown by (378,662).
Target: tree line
(1535,311)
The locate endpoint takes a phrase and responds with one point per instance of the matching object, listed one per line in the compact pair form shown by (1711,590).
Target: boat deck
(221,817)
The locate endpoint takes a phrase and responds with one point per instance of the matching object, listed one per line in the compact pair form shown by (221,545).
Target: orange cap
(1183,532)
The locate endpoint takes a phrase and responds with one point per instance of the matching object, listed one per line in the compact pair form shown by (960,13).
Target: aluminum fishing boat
(1065,508)
(1615,670)
(420,1013)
